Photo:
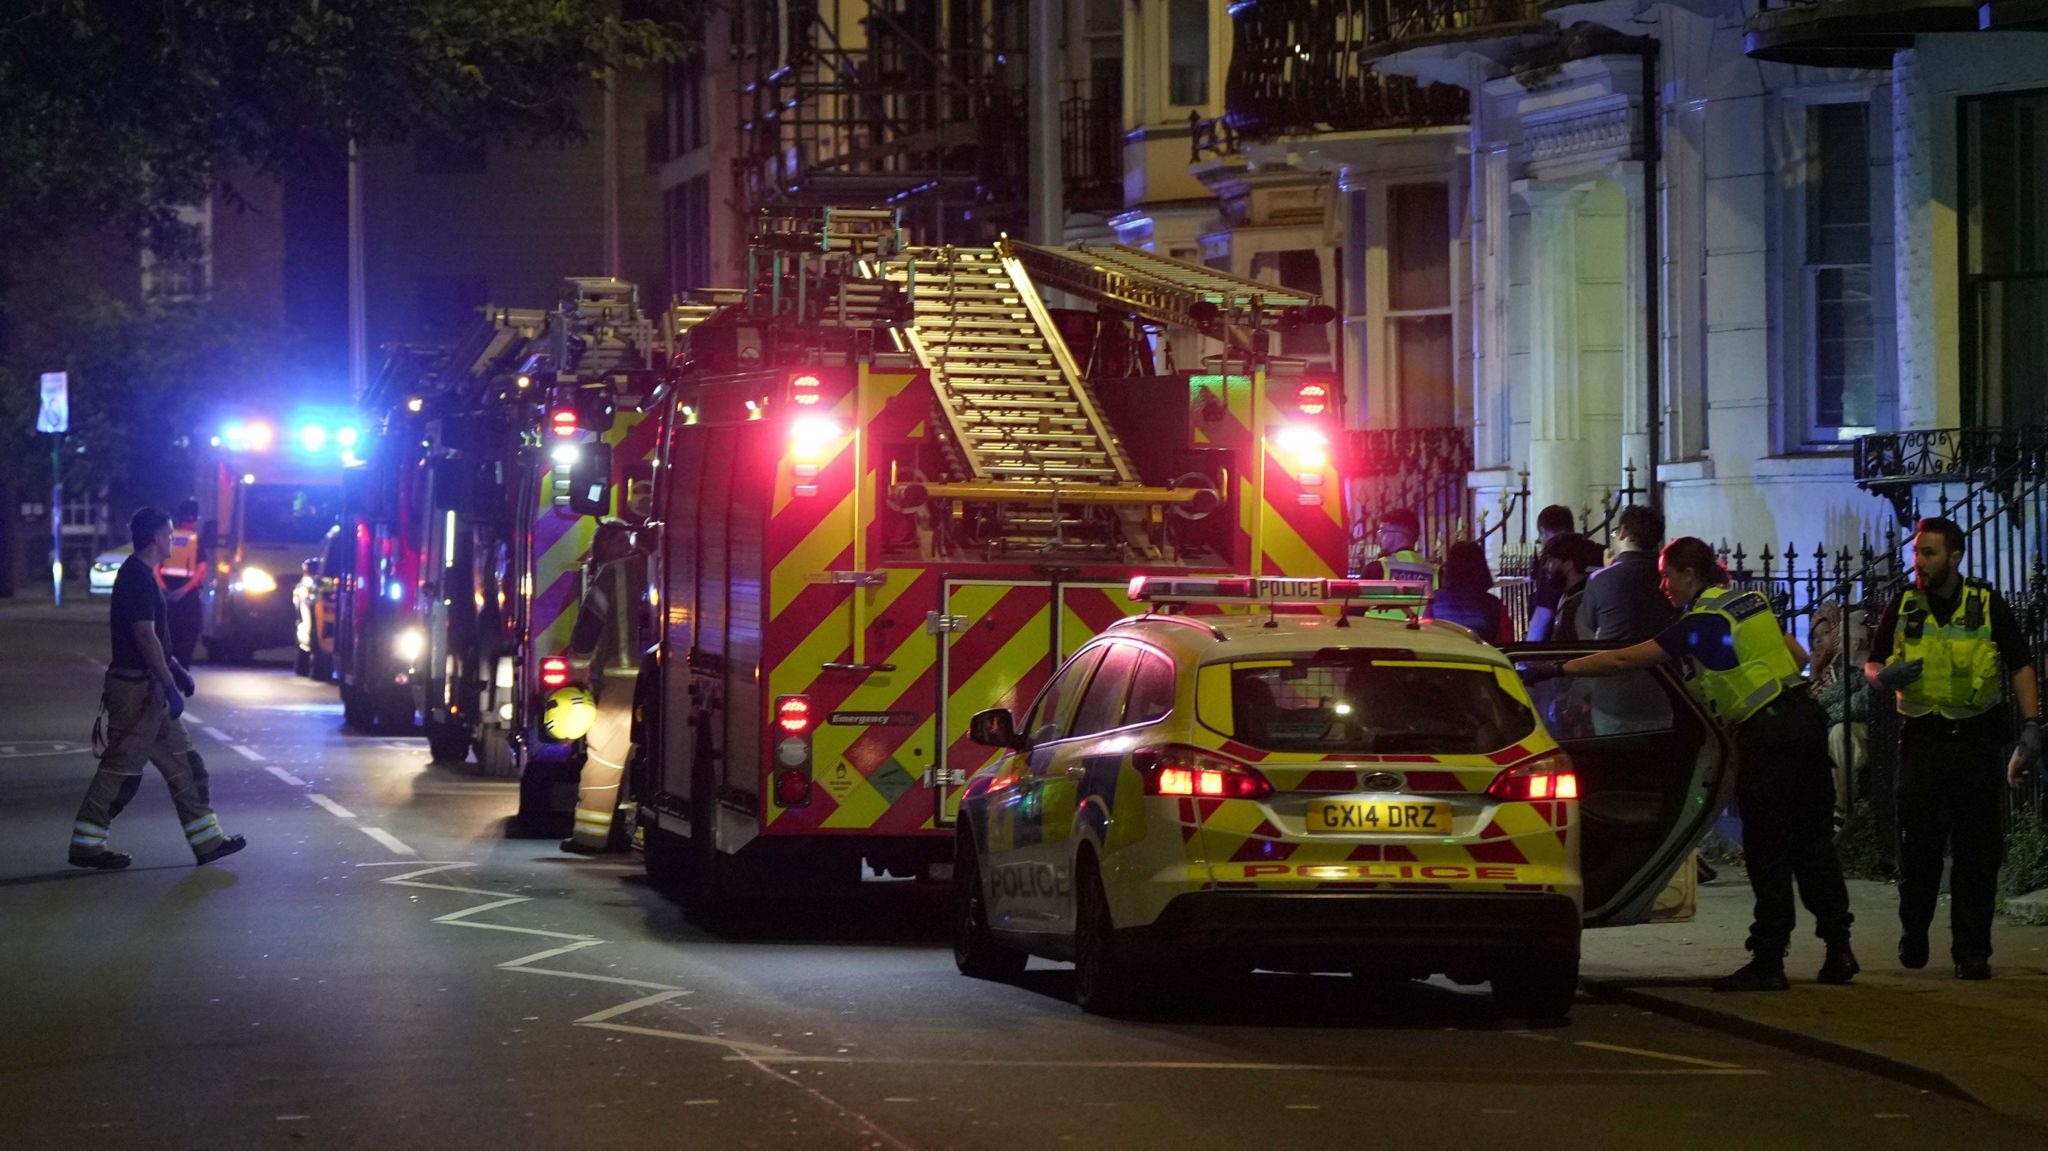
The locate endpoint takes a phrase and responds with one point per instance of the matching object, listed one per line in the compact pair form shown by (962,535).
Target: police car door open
(1653,772)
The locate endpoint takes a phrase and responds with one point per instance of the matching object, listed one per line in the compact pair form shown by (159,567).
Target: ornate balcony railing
(1304,67)
(1092,150)
(1403,23)
(1849,33)
(1951,456)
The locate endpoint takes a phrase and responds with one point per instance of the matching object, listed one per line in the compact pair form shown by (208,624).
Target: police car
(1318,789)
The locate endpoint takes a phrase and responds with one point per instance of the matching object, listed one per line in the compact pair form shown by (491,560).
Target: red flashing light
(1179,770)
(563,421)
(1548,776)
(554,672)
(1313,399)
(803,391)
(793,714)
(792,789)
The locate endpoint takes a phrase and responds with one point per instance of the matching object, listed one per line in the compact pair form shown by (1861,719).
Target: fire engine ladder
(1163,290)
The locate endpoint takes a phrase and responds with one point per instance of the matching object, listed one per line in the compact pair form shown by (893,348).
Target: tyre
(707,884)
(302,662)
(322,668)
(1105,980)
(356,713)
(975,950)
(448,742)
(395,714)
(1542,987)
(666,856)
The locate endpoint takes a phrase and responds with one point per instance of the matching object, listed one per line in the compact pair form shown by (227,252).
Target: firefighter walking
(1742,666)
(1945,648)
(609,634)
(143,696)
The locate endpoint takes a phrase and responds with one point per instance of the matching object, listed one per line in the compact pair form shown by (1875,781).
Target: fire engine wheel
(355,710)
(323,666)
(975,950)
(1105,980)
(667,857)
(302,662)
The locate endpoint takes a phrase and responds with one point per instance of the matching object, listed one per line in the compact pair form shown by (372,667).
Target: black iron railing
(1304,67)
(1092,149)
(1421,469)
(1396,22)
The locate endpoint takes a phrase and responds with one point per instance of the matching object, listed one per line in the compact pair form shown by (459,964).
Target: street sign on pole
(55,415)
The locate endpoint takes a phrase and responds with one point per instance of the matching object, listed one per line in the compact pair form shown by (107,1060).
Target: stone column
(1558,472)
(1635,346)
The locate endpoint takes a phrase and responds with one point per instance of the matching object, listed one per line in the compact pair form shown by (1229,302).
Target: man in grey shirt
(1625,600)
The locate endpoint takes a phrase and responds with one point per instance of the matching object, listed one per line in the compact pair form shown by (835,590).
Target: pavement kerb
(1783,1038)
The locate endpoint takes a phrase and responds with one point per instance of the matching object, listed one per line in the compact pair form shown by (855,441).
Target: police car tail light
(1179,770)
(1548,776)
(554,672)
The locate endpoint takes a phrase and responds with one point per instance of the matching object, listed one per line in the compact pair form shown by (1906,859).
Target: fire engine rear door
(996,650)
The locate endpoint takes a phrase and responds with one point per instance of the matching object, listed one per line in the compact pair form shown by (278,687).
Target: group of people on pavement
(1946,649)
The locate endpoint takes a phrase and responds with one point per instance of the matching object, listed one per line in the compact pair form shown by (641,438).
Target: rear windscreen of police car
(1340,702)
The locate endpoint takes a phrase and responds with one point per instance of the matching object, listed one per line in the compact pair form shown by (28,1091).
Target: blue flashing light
(346,436)
(312,437)
(395,590)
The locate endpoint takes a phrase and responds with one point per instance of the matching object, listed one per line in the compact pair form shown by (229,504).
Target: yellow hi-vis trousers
(606,749)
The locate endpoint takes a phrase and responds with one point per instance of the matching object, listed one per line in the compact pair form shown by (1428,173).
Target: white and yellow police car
(1318,789)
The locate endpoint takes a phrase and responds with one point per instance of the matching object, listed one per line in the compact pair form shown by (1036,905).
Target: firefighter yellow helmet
(568,713)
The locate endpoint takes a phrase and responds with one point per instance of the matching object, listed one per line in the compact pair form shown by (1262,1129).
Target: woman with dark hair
(1744,669)
(1466,595)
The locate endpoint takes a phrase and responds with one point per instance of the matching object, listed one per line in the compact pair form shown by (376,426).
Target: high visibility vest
(1960,676)
(1406,564)
(183,560)
(1764,666)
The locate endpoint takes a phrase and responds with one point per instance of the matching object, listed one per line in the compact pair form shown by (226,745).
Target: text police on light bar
(1279,589)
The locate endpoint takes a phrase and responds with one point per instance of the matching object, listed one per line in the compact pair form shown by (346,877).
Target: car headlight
(103,568)
(409,645)
(256,581)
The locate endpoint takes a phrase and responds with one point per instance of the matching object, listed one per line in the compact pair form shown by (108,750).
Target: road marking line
(550,953)
(1665,1055)
(218,734)
(1193,1065)
(191,718)
(629,1005)
(387,839)
(337,810)
(748,1052)
(589,978)
(282,774)
(248,753)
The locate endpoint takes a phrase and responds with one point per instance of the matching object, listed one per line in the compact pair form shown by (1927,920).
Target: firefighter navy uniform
(1955,733)
(1738,666)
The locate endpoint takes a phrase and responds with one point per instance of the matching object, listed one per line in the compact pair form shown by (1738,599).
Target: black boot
(1840,965)
(1761,973)
(1913,950)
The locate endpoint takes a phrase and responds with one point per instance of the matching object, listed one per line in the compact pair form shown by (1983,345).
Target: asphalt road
(385,967)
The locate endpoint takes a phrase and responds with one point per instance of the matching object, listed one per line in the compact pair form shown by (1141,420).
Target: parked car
(105,566)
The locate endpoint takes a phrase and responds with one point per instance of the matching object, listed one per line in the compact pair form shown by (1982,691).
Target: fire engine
(498,456)
(890,494)
(269,490)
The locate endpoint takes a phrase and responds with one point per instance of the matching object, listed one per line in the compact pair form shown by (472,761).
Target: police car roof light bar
(1279,590)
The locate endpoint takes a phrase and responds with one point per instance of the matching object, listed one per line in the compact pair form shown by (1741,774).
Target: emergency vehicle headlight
(808,435)
(256,581)
(409,645)
(567,714)
(1308,447)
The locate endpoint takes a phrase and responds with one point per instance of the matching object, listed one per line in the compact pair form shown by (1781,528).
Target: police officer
(1742,666)
(1945,648)
(1399,530)
(609,632)
(182,573)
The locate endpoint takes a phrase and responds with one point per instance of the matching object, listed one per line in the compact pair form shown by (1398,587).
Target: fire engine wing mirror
(590,481)
(995,728)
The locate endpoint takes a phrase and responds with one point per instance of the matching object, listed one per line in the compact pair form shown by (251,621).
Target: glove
(1535,673)
(174,704)
(2026,756)
(1896,676)
(182,678)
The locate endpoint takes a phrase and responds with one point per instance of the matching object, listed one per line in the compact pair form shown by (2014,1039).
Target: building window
(438,155)
(1187,52)
(451,303)
(689,234)
(1842,369)
(1419,326)
(2005,260)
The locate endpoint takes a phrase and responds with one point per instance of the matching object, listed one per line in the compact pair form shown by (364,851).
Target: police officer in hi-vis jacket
(1745,670)
(1945,648)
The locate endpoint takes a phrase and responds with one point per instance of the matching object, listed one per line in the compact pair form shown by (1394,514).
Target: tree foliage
(118,110)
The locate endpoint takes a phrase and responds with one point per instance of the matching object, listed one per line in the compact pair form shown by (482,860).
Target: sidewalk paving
(1983,1041)
(31,601)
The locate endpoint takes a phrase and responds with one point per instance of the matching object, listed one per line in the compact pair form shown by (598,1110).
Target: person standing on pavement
(183,573)
(1742,666)
(610,632)
(141,701)
(1624,602)
(1566,561)
(1545,592)
(1399,531)
(1945,648)
(1467,598)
